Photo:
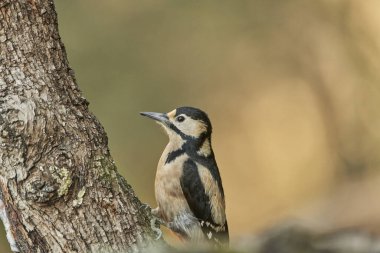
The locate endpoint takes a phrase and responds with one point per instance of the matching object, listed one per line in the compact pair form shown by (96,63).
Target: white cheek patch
(205,150)
(192,127)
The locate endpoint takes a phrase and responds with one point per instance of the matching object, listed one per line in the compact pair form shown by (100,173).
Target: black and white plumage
(188,186)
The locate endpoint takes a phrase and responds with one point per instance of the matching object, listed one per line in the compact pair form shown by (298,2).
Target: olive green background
(292,89)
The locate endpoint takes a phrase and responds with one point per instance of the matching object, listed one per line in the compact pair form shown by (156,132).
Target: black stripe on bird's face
(187,122)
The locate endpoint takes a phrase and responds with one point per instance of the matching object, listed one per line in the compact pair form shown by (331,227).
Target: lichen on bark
(63,177)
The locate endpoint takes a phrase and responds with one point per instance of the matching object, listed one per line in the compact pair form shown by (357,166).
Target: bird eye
(180,118)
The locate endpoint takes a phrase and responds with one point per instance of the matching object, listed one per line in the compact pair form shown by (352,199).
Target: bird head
(187,122)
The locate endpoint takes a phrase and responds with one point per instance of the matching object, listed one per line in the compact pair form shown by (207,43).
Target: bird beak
(160,117)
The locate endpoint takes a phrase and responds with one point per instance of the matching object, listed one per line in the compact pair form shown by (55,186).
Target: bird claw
(156,227)
(146,207)
(155,221)
(156,213)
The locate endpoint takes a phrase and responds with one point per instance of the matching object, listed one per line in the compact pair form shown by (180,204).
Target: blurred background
(292,89)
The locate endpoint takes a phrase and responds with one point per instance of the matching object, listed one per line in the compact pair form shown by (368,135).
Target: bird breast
(168,191)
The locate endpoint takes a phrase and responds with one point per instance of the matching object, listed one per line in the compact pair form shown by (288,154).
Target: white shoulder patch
(205,150)
(212,190)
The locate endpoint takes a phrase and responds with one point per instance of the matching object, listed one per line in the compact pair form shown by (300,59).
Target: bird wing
(205,200)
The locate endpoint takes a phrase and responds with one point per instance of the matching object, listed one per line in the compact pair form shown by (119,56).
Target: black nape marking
(173,155)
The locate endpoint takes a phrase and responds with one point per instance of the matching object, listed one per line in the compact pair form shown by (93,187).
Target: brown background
(292,89)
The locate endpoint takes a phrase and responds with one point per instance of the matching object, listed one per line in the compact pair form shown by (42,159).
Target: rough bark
(58,182)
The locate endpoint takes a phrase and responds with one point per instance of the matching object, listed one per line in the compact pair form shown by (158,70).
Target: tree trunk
(60,189)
